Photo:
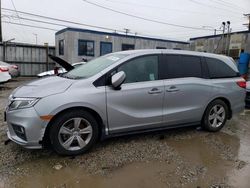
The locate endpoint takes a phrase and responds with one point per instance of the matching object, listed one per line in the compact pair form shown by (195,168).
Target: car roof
(169,51)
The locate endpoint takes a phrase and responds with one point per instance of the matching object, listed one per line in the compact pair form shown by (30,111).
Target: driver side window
(141,69)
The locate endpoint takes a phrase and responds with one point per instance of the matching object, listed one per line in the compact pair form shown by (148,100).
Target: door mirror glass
(118,79)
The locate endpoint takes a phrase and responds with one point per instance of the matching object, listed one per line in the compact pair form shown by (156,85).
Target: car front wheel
(74,132)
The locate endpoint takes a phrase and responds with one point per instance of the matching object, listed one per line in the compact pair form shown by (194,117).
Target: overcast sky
(191,13)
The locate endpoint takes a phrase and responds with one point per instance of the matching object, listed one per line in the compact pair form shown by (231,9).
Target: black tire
(207,124)
(67,117)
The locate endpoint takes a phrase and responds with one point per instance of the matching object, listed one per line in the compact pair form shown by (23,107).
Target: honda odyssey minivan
(123,93)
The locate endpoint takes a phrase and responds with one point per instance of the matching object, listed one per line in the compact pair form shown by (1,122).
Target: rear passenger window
(179,66)
(219,69)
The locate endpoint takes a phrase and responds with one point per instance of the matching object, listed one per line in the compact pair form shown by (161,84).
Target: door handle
(155,91)
(172,89)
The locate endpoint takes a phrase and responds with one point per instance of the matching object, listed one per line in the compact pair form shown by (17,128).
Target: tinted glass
(218,69)
(141,69)
(182,66)
(61,47)
(86,48)
(128,47)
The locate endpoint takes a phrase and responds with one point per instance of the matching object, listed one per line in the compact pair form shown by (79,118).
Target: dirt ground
(187,157)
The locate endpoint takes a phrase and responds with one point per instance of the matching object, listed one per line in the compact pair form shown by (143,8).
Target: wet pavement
(186,157)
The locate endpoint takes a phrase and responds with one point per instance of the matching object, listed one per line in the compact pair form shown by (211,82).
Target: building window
(86,47)
(61,47)
(158,47)
(128,47)
(105,48)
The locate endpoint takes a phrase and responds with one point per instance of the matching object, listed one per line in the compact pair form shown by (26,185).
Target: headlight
(19,103)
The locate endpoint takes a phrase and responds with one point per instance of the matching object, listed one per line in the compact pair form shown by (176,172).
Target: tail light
(4,69)
(14,67)
(242,84)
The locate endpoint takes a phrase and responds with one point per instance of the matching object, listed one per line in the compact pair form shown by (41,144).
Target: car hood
(43,87)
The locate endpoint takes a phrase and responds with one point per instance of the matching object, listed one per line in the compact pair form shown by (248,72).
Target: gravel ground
(185,157)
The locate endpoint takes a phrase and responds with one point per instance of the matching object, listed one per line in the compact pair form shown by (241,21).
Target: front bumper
(31,122)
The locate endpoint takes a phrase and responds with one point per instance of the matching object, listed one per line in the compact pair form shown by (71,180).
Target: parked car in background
(4,74)
(123,93)
(13,69)
(59,71)
(248,95)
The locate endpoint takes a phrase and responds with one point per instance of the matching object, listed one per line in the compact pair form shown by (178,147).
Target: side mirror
(118,79)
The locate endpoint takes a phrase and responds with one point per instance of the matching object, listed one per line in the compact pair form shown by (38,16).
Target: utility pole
(228,38)
(215,30)
(1,36)
(248,25)
(126,31)
(223,26)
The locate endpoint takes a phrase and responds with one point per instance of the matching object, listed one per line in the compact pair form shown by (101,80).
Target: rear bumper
(4,77)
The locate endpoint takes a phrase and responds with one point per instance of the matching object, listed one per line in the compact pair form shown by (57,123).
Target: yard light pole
(228,38)
(223,26)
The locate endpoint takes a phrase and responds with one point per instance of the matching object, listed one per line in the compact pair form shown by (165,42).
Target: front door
(138,104)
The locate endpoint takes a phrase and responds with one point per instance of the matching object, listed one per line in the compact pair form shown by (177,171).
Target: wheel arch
(46,138)
(226,101)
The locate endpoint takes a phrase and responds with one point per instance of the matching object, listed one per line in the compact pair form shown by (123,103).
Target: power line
(27,25)
(211,6)
(60,20)
(229,3)
(62,25)
(226,4)
(39,21)
(163,8)
(142,18)
(15,9)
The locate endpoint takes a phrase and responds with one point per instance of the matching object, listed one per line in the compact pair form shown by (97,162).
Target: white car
(4,74)
(60,70)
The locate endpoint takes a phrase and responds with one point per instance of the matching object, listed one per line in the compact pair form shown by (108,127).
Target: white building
(74,44)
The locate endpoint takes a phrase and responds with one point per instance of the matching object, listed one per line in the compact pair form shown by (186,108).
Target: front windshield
(93,67)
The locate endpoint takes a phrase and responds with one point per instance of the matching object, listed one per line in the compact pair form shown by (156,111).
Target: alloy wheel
(217,116)
(75,134)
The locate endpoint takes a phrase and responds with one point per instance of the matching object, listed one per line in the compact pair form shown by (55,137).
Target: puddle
(199,163)
(145,175)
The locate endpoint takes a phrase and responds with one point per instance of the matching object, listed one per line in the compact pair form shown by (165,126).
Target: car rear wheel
(215,116)
(74,132)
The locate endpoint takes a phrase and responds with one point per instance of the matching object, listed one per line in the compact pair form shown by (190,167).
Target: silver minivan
(123,93)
